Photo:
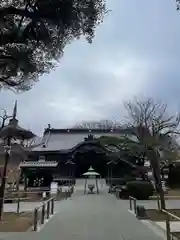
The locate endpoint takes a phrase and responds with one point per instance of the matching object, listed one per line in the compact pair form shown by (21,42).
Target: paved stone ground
(91,217)
(99,217)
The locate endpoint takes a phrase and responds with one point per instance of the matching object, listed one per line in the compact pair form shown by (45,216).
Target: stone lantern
(91,174)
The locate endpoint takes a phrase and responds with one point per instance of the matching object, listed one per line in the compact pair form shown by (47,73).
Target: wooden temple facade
(68,153)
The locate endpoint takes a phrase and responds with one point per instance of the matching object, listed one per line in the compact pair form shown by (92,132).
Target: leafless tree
(155,131)
(4,116)
(102,124)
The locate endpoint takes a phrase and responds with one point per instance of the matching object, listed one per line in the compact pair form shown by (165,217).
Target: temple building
(68,153)
(62,154)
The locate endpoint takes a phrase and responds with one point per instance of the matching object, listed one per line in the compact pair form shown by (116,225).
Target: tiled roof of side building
(38,164)
(65,139)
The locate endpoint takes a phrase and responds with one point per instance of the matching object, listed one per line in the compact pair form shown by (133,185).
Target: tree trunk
(159,188)
(153,156)
(18,180)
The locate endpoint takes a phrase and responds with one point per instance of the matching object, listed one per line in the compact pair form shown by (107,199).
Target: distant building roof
(65,139)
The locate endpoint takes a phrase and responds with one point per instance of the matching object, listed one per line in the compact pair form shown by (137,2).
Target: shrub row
(141,190)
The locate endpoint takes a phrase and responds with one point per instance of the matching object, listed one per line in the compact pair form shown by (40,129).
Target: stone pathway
(99,217)
(90,217)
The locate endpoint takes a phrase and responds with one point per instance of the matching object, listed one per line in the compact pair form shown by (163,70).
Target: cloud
(135,52)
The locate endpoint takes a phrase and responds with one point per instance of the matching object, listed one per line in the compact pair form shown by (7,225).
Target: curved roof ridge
(92,142)
(47,139)
(86,130)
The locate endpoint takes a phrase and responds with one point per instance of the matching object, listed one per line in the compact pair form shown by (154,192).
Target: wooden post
(85,185)
(135,207)
(97,186)
(48,209)
(43,213)
(158,203)
(130,203)
(35,219)
(52,206)
(18,205)
(168,229)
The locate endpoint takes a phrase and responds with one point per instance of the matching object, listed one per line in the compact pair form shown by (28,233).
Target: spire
(14,110)
(13,120)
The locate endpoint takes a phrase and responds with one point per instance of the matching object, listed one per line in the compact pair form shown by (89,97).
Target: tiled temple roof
(67,139)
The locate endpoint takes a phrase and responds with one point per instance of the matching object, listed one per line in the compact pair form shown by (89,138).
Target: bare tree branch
(4,116)
(151,119)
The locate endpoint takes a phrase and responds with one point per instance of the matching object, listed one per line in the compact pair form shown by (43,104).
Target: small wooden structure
(91,174)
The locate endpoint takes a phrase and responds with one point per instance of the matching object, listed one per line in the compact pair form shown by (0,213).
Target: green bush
(122,180)
(140,189)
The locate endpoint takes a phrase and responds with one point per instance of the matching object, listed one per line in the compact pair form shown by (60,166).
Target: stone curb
(154,227)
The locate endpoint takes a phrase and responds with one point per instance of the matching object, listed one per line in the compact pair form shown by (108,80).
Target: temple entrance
(85,159)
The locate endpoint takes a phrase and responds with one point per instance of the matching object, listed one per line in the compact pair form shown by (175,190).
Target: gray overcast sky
(135,52)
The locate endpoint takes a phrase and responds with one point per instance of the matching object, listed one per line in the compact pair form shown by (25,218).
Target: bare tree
(155,129)
(102,124)
(4,116)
